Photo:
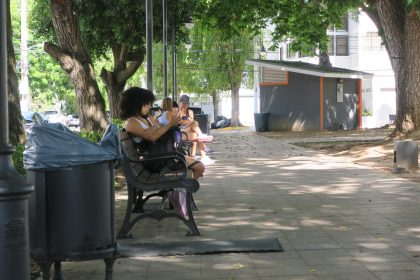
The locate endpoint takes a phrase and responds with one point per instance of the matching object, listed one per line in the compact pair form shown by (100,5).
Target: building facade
(358,46)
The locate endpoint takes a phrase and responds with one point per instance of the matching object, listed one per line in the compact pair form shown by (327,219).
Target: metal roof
(310,69)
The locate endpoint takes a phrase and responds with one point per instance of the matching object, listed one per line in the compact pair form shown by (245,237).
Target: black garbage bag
(55,146)
(220,122)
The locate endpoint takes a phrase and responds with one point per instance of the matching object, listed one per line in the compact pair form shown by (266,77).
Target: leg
(202,149)
(200,135)
(58,274)
(197,144)
(194,148)
(204,158)
(196,127)
(45,269)
(197,167)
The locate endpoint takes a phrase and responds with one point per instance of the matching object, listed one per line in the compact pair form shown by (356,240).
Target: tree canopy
(113,29)
(306,21)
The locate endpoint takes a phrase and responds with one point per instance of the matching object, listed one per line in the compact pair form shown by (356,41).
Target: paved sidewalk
(335,220)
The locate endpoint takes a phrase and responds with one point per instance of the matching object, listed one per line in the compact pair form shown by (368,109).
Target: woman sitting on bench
(135,105)
(191,127)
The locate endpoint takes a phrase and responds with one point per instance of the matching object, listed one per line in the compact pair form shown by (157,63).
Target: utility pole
(165,46)
(174,85)
(14,189)
(149,44)
(24,64)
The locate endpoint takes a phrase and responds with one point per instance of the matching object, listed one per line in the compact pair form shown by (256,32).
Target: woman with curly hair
(135,104)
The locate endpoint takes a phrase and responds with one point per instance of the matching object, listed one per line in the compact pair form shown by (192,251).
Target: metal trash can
(203,122)
(261,121)
(71,211)
(72,216)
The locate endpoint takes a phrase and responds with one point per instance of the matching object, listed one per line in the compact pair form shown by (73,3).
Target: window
(372,42)
(342,45)
(273,77)
(338,45)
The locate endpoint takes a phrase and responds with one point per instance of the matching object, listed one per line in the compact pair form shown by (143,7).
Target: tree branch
(372,13)
(66,61)
(125,74)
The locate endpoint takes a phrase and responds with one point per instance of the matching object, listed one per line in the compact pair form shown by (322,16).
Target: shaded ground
(334,219)
(368,147)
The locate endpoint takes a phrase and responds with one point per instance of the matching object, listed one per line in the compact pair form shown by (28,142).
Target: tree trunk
(75,60)
(214,96)
(116,80)
(409,105)
(16,131)
(402,41)
(324,59)
(235,106)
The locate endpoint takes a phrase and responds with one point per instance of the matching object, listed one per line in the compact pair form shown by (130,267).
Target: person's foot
(207,161)
(205,138)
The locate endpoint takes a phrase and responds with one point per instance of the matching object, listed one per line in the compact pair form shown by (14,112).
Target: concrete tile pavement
(335,220)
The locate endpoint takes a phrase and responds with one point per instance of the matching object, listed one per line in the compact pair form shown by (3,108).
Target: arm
(191,115)
(152,133)
(190,118)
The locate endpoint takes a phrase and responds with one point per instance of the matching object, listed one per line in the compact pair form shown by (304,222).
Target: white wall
(246,107)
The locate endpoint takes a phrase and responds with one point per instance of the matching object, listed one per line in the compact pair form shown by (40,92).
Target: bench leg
(125,228)
(190,223)
(109,264)
(138,201)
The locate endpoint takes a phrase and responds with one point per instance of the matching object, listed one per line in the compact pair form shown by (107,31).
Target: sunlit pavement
(335,220)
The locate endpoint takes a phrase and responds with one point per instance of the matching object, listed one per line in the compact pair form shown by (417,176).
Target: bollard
(406,154)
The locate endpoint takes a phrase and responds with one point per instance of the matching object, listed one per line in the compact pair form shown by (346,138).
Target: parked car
(32,118)
(72,120)
(54,116)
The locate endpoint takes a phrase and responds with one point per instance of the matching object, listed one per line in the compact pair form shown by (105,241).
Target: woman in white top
(135,104)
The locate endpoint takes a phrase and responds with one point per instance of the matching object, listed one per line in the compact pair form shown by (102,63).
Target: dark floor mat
(199,247)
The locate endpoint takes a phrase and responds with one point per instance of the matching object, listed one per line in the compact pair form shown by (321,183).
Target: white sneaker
(207,161)
(205,138)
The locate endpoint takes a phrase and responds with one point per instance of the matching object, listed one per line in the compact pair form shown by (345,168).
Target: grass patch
(333,146)
(234,128)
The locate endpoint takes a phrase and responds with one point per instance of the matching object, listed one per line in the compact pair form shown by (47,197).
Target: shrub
(18,159)
(118,123)
(93,136)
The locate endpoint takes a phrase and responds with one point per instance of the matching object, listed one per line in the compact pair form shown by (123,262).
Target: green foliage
(119,123)
(305,22)
(215,63)
(413,4)
(96,136)
(15,17)
(107,27)
(93,136)
(49,84)
(106,23)
(18,159)
(366,112)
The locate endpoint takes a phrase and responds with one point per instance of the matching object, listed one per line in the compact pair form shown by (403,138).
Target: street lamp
(14,189)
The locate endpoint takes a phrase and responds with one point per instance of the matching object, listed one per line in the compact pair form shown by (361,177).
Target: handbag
(167,144)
